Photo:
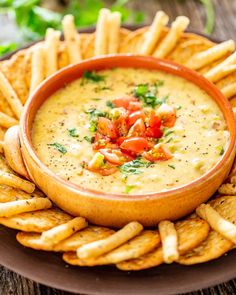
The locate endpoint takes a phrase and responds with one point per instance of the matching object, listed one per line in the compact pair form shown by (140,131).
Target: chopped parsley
(168,133)
(96,99)
(58,147)
(110,104)
(72,132)
(222,150)
(93,76)
(169,140)
(148,94)
(128,188)
(89,139)
(178,107)
(132,166)
(172,166)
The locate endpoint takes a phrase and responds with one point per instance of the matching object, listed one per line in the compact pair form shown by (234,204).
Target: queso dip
(130,131)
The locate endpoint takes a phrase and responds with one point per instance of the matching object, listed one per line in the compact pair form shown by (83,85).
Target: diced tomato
(106,127)
(133,117)
(113,156)
(134,106)
(100,141)
(138,129)
(154,121)
(121,126)
(106,170)
(167,115)
(135,144)
(120,140)
(153,132)
(158,153)
(123,101)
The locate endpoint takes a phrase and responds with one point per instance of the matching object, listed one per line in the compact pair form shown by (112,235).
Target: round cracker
(85,236)
(37,221)
(136,247)
(191,232)
(226,207)
(213,247)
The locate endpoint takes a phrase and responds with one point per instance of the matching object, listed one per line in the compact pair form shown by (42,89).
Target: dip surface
(63,131)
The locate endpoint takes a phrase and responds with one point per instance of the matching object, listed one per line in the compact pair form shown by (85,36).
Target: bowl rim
(164,65)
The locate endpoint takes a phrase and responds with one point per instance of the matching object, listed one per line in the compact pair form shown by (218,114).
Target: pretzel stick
(100,247)
(114,20)
(10,95)
(152,36)
(218,223)
(21,206)
(222,69)
(57,234)
(101,36)
(51,51)
(7,121)
(169,241)
(72,39)
(208,56)
(229,90)
(37,67)
(171,39)
(16,182)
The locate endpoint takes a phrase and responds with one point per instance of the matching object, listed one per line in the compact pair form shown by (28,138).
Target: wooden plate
(49,269)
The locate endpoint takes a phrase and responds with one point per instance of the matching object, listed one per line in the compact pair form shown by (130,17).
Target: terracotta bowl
(114,209)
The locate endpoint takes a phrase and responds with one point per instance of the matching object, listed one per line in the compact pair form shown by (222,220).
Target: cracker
(38,221)
(213,247)
(14,71)
(8,194)
(226,207)
(191,232)
(12,151)
(138,246)
(227,189)
(78,239)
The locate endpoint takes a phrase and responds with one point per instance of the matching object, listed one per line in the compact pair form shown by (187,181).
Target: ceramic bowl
(115,209)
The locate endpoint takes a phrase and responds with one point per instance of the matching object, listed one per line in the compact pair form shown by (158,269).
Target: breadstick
(169,42)
(10,95)
(208,56)
(7,121)
(152,36)
(222,69)
(51,51)
(72,39)
(101,36)
(114,20)
(218,223)
(169,241)
(37,67)
(229,90)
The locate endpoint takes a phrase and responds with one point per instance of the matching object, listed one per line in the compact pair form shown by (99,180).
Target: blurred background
(22,21)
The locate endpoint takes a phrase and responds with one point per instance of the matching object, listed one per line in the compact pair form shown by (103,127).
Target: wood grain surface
(225,28)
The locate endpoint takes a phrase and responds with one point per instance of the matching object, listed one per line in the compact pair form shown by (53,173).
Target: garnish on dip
(126,137)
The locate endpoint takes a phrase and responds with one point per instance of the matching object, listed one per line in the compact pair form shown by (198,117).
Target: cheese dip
(130,131)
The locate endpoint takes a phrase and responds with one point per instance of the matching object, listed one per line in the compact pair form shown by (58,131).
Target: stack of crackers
(207,234)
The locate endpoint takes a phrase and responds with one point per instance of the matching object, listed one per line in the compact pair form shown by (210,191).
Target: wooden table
(13,284)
